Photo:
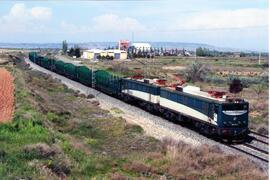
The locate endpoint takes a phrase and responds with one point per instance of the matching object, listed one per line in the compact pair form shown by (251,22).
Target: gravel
(153,125)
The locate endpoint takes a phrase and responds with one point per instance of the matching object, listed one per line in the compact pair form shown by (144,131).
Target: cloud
(41,13)
(20,19)
(105,23)
(112,22)
(240,18)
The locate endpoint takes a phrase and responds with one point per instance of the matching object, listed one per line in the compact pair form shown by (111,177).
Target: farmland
(6,95)
(75,138)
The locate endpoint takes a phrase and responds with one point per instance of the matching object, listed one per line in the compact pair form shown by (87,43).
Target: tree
(64,47)
(71,52)
(199,51)
(235,85)
(203,52)
(242,54)
(196,72)
(161,49)
(77,52)
(259,89)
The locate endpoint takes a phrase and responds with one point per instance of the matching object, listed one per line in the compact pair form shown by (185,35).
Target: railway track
(256,146)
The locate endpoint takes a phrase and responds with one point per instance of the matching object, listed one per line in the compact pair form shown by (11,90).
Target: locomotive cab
(232,119)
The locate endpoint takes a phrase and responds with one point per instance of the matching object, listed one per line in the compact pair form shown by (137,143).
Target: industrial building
(95,53)
(92,53)
(123,45)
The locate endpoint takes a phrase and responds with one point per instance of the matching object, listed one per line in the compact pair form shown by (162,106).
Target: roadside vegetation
(58,133)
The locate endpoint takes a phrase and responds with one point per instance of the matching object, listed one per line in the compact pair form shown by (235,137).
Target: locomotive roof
(204,98)
(142,82)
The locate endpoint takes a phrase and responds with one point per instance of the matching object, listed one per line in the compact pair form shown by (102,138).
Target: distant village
(126,50)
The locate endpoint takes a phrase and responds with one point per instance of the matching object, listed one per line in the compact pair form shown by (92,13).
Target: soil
(6,95)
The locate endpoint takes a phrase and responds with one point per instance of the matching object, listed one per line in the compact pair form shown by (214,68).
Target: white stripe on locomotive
(186,110)
(142,95)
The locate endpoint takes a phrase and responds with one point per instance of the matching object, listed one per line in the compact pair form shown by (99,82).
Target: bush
(137,167)
(196,72)
(40,150)
(60,167)
(215,80)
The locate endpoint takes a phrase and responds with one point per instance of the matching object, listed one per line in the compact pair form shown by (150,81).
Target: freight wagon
(107,82)
(84,75)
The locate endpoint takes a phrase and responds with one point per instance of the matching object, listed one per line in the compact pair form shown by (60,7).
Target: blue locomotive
(212,115)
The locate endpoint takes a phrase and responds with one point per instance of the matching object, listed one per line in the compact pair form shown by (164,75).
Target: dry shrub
(154,155)
(41,150)
(261,106)
(61,167)
(76,93)
(137,167)
(262,129)
(95,103)
(82,95)
(187,162)
(90,96)
(118,176)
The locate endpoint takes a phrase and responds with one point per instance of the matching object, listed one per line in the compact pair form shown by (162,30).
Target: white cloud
(226,19)
(105,23)
(41,13)
(23,19)
(112,22)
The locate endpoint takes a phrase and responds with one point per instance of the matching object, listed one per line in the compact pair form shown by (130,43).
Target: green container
(70,70)
(33,56)
(46,63)
(84,75)
(39,60)
(60,67)
(108,82)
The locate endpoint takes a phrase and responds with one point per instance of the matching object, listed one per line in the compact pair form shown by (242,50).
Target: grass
(52,139)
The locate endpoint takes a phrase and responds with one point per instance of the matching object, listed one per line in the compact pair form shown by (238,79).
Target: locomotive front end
(233,120)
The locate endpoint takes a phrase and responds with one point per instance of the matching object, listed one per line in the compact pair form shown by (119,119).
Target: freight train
(212,114)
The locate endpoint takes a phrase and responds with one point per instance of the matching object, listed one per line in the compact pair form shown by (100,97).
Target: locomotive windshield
(234,107)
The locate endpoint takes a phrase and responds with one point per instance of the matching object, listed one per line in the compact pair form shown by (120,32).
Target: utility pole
(93,77)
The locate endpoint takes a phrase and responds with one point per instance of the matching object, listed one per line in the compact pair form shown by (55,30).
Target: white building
(142,46)
(94,53)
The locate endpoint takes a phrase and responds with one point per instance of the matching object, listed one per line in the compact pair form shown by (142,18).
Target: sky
(225,23)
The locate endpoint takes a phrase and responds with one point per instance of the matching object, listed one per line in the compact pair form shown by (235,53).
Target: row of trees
(204,52)
(76,51)
(99,57)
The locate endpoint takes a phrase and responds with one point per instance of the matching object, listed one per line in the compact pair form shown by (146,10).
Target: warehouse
(117,54)
(95,53)
(92,54)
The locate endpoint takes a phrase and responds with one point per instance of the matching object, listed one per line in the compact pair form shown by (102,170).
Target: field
(58,133)
(6,95)
(218,72)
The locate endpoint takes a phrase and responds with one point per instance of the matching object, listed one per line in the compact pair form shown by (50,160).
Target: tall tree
(64,47)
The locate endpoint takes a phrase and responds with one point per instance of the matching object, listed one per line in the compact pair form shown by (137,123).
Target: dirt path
(6,95)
